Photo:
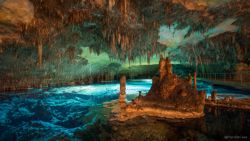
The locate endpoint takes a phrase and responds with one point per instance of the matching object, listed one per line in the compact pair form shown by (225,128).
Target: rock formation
(127,30)
(122,96)
(169,97)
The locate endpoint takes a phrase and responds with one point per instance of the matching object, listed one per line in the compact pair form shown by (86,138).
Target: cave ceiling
(122,28)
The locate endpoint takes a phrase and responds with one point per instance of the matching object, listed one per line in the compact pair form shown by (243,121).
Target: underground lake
(82,113)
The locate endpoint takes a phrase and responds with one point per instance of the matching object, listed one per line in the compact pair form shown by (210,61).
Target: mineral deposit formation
(169,97)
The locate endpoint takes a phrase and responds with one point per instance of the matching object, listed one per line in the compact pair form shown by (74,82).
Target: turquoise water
(56,113)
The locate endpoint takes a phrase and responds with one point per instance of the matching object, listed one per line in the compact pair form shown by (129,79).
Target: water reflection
(217,125)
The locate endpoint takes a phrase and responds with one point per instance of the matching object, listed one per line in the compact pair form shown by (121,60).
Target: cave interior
(60,43)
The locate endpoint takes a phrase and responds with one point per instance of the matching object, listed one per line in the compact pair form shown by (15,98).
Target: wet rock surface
(213,127)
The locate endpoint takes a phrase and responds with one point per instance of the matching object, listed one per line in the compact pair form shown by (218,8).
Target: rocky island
(169,97)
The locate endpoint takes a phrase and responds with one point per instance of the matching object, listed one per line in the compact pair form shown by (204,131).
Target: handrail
(242,77)
(19,84)
(7,85)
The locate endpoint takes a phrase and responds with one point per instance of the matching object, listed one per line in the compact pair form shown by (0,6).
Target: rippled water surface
(73,112)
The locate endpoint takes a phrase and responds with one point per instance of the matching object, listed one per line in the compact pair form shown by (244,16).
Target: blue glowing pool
(45,114)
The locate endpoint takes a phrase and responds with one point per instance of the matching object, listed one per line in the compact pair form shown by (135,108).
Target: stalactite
(119,38)
(40,54)
(125,10)
(100,3)
(111,4)
(140,59)
(1,48)
(148,57)
(113,44)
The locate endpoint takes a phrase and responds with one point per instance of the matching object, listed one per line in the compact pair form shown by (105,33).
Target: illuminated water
(71,112)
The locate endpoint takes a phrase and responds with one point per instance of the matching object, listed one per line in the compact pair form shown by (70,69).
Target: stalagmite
(122,95)
(162,69)
(201,104)
(214,96)
(170,97)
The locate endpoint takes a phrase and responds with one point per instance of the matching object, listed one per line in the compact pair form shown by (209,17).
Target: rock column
(214,96)
(202,101)
(189,79)
(195,83)
(122,95)
(162,69)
